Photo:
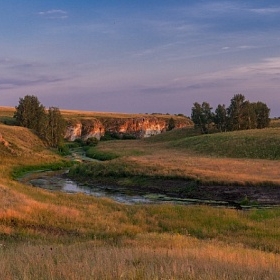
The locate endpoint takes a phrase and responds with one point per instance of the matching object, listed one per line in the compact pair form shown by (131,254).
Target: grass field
(244,157)
(52,235)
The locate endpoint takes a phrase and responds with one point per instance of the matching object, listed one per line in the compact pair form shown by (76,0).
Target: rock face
(84,129)
(139,127)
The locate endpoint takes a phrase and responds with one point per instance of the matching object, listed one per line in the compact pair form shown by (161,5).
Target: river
(225,196)
(58,181)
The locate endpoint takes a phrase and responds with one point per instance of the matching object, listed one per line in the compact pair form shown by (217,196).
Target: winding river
(59,181)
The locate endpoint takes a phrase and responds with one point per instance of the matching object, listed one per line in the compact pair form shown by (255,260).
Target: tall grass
(151,256)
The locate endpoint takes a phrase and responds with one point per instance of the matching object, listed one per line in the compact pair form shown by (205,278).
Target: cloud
(54,14)
(266,11)
(7,83)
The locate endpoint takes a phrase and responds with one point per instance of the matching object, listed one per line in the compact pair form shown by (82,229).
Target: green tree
(30,113)
(249,120)
(202,116)
(262,114)
(55,127)
(235,112)
(220,118)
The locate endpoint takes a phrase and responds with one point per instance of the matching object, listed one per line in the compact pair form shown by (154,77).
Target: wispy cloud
(54,14)
(18,73)
(266,11)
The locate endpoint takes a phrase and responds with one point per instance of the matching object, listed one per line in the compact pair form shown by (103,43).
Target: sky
(140,56)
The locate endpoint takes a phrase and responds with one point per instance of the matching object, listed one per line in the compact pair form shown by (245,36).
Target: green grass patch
(8,120)
(259,144)
(92,152)
(20,171)
(174,134)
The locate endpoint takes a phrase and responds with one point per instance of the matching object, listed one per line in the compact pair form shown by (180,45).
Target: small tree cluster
(240,115)
(48,124)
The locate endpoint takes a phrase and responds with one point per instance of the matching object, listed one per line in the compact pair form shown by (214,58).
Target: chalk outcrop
(138,127)
(84,129)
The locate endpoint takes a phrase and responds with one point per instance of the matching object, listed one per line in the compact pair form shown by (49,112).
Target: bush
(103,156)
(129,137)
(63,149)
(110,136)
(92,142)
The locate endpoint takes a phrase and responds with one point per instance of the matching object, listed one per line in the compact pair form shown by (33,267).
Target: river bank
(155,190)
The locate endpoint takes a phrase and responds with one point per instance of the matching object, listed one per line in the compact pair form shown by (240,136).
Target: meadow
(53,235)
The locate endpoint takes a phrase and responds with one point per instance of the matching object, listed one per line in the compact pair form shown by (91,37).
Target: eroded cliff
(84,129)
(137,127)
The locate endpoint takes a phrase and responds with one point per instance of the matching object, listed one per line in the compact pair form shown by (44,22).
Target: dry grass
(70,114)
(7,111)
(149,256)
(155,158)
(49,235)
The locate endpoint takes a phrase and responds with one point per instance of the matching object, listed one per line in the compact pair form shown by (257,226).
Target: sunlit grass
(53,235)
(257,143)
(150,256)
(211,159)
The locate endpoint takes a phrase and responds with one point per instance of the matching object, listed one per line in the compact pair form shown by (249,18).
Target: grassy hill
(255,144)
(239,157)
(53,235)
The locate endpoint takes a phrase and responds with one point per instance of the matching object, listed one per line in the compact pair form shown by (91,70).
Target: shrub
(92,141)
(63,149)
(103,156)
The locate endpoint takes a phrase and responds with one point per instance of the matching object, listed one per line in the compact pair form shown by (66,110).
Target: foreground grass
(51,235)
(151,256)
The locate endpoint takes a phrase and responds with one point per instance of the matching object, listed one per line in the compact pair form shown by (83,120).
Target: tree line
(240,115)
(48,124)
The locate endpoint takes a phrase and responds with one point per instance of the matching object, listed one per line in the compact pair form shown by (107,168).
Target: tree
(55,127)
(30,112)
(202,116)
(220,118)
(235,112)
(49,126)
(241,114)
(262,114)
(249,120)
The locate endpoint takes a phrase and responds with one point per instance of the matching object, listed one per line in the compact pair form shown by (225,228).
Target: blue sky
(139,56)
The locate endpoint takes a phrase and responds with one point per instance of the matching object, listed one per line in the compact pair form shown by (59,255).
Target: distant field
(6,113)
(87,114)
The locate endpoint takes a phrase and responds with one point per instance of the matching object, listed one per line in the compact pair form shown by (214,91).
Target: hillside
(84,125)
(241,157)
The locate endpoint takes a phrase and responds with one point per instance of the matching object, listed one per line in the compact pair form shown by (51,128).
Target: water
(58,182)
(54,181)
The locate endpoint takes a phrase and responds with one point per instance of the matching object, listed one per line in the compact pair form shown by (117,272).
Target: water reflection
(58,182)
(55,181)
